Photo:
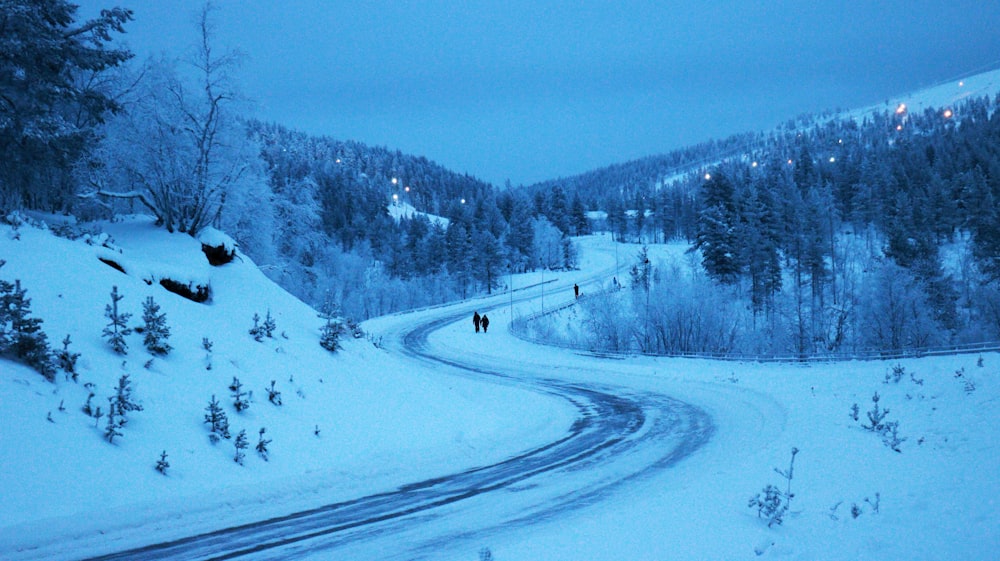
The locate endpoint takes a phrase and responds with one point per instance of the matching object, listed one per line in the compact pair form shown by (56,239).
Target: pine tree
(111,430)
(269,325)
(123,400)
(67,360)
(156,331)
(717,227)
(273,395)
(262,444)
(240,444)
(218,422)
(26,337)
(162,464)
(53,96)
(257,331)
(117,328)
(239,396)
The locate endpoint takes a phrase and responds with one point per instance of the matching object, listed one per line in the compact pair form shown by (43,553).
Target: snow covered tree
(155,332)
(180,149)
(22,334)
(273,395)
(269,325)
(240,401)
(218,422)
(67,359)
(162,464)
(262,444)
(114,425)
(50,95)
(241,445)
(123,400)
(717,229)
(257,331)
(117,328)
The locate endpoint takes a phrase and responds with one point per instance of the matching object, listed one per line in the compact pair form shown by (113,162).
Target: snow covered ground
(387,419)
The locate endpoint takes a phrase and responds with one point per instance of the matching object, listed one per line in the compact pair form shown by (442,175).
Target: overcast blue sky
(529,90)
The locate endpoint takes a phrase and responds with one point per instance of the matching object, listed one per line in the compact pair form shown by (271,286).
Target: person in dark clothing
(486,322)
(576,290)
(476,320)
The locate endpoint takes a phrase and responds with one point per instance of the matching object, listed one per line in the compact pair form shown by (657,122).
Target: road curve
(618,435)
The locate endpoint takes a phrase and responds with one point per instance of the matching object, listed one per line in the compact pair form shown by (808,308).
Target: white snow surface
(387,420)
(400,209)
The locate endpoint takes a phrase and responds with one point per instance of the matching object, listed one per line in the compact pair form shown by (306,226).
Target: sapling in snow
(67,359)
(117,328)
(262,444)
(269,325)
(257,331)
(773,503)
(876,416)
(273,395)
(155,331)
(240,401)
(123,399)
(218,423)
(162,464)
(241,445)
(112,428)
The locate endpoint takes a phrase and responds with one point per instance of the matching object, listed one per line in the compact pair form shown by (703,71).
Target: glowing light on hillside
(947,114)
(899,127)
(463,201)
(753,165)
(832,159)
(394,181)
(407,188)
(708,176)
(960,84)
(789,161)
(901,109)
(338,160)
(395,198)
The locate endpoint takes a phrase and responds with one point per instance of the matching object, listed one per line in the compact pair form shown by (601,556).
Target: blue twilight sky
(529,90)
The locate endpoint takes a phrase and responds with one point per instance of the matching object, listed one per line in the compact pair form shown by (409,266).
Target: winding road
(619,434)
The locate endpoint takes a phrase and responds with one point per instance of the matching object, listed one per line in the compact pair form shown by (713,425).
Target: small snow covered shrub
(155,330)
(273,395)
(877,423)
(895,374)
(162,464)
(122,400)
(262,444)
(876,416)
(772,503)
(67,359)
(241,445)
(22,334)
(240,400)
(117,328)
(218,423)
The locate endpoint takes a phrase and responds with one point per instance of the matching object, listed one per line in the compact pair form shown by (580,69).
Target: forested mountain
(836,234)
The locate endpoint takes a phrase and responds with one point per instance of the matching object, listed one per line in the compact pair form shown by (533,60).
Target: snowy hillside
(940,97)
(350,423)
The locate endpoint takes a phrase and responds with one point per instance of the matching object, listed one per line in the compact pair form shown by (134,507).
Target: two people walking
(480,321)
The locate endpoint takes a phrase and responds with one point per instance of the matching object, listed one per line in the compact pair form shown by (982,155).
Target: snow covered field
(387,419)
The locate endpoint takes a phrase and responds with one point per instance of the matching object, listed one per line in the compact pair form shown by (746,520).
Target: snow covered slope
(67,490)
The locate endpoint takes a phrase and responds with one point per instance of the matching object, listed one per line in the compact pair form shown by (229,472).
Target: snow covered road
(619,435)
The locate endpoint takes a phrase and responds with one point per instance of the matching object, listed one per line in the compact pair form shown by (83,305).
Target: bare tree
(179,151)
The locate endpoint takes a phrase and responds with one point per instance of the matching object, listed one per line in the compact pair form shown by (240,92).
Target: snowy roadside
(353,423)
